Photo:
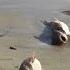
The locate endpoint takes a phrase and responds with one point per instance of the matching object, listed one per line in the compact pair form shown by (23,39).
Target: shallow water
(21,20)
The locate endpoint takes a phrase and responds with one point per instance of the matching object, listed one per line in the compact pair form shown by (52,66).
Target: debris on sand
(13,48)
(55,32)
(67,12)
(31,63)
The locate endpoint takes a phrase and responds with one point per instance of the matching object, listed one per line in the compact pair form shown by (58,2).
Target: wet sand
(21,20)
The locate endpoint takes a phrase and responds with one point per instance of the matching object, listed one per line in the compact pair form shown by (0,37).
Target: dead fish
(60,30)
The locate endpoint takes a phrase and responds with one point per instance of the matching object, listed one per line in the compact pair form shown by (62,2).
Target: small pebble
(13,48)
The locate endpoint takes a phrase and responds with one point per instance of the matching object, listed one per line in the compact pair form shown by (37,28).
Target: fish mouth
(63,37)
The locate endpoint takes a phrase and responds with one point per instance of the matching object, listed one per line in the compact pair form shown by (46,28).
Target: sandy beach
(20,22)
